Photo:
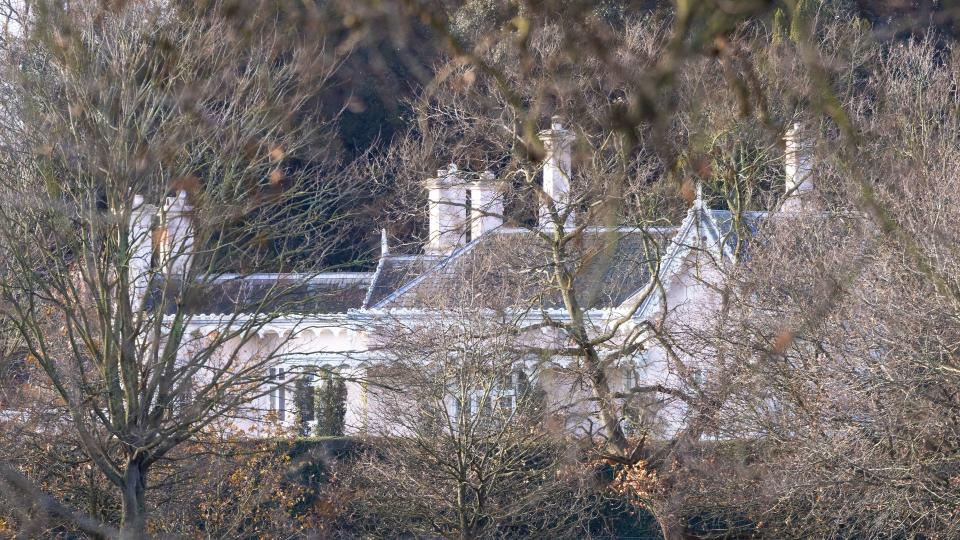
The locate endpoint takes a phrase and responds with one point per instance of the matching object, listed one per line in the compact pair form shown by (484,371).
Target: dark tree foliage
(331,406)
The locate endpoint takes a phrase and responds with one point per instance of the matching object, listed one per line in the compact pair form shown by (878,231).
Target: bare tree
(816,371)
(460,439)
(111,110)
(699,95)
(843,324)
(596,204)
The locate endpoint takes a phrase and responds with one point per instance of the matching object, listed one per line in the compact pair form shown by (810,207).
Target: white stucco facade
(681,295)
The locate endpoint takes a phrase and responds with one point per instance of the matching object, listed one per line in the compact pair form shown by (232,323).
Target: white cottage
(336,315)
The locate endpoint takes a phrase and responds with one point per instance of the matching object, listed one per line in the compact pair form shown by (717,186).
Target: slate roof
(510,267)
(730,227)
(264,293)
(394,271)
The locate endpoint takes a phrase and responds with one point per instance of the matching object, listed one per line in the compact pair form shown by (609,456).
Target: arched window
(304,402)
(331,404)
(278,392)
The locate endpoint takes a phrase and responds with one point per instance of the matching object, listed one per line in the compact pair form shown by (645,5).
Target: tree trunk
(670,526)
(462,512)
(134,520)
(609,413)
(608,410)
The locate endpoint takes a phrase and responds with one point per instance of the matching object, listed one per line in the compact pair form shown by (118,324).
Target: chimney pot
(447,211)
(557,172)
(486,205)
(384,243)
(798,169)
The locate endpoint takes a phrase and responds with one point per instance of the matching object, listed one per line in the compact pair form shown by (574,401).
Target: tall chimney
(447,197)
(177,248)
(141,248)
(557,143)
(486,205)
(798,169)
(384,243)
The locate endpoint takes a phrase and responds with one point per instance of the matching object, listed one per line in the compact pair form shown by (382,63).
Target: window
(278,393)
(272,380)
(512,391)
(699,377)
(629,378)
(282,400)
(633,410)
(507,393)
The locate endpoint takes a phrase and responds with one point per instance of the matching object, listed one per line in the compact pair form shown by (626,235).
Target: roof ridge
(305,276)
(373,282)
(457,253)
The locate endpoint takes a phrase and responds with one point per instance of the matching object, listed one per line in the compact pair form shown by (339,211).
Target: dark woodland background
(373,88)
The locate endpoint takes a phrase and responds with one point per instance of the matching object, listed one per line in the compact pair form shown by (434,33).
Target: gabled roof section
(393,272)
(512,267)
(435,269)
(721,234)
